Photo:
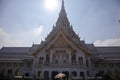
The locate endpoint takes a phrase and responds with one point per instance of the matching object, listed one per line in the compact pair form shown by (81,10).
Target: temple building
(62,51)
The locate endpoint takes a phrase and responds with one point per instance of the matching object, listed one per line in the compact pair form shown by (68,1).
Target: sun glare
(51,4)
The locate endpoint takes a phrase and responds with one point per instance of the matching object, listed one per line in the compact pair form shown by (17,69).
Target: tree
(107,75)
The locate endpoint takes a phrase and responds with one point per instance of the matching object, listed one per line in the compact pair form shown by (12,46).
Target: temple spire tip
(62,12)
(62,3)
(62,19)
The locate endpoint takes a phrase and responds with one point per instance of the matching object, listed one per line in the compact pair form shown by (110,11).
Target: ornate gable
(63,35)
(63,24)
(61,40)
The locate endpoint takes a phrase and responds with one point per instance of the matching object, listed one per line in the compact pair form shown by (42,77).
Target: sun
(51,4)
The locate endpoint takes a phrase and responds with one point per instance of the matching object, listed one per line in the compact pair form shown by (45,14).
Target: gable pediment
(61,42)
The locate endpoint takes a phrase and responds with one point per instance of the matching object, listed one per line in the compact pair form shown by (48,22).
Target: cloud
(37,31)
(20,39)
(32,33)
(3,36)
(108,42)
(6,41)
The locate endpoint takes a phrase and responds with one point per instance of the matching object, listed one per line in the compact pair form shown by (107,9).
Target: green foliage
(112,75)
(107,77)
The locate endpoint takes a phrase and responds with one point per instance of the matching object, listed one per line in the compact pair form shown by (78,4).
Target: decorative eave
(41,47)
(71,42)
(62,32)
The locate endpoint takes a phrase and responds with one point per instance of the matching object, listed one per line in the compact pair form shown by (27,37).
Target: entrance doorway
(66,75)
(46,75)
(53,75)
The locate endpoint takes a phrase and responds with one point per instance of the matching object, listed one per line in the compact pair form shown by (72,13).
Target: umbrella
(60,75)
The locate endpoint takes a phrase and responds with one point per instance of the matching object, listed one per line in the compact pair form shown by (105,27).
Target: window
(74,73)
(87,63)
(41,60)
(39,73)
(64,61)
(88,74)
(96,64)
(28,64)
(80,60)
(56,61)
(46,74)
(81,74)
(9,71)
(27,74)
(73,58)
(47,59)
(100,73)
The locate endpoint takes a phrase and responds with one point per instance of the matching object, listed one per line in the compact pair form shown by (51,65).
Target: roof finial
(63,4)
(62,19)
(62,12)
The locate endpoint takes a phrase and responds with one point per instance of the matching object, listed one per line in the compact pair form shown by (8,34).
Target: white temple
(61,52)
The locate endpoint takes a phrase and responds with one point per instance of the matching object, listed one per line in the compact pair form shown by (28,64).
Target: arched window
(87,63)
(82,74)
(74,73)
(46,75)
(47,59)
(96,64)
(80,60)
(39,74)
(56,61)
(73,58)
(64,61)
(41,60)
(9,71)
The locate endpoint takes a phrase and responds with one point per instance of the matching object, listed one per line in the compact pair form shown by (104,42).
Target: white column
(76,58)
(69,53)
(78,73)
(50,75)
(51,53)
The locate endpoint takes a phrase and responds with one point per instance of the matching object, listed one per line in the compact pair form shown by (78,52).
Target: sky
(27,22)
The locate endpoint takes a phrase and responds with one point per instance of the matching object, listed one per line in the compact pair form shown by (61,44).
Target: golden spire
(62,19)
(62,12)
